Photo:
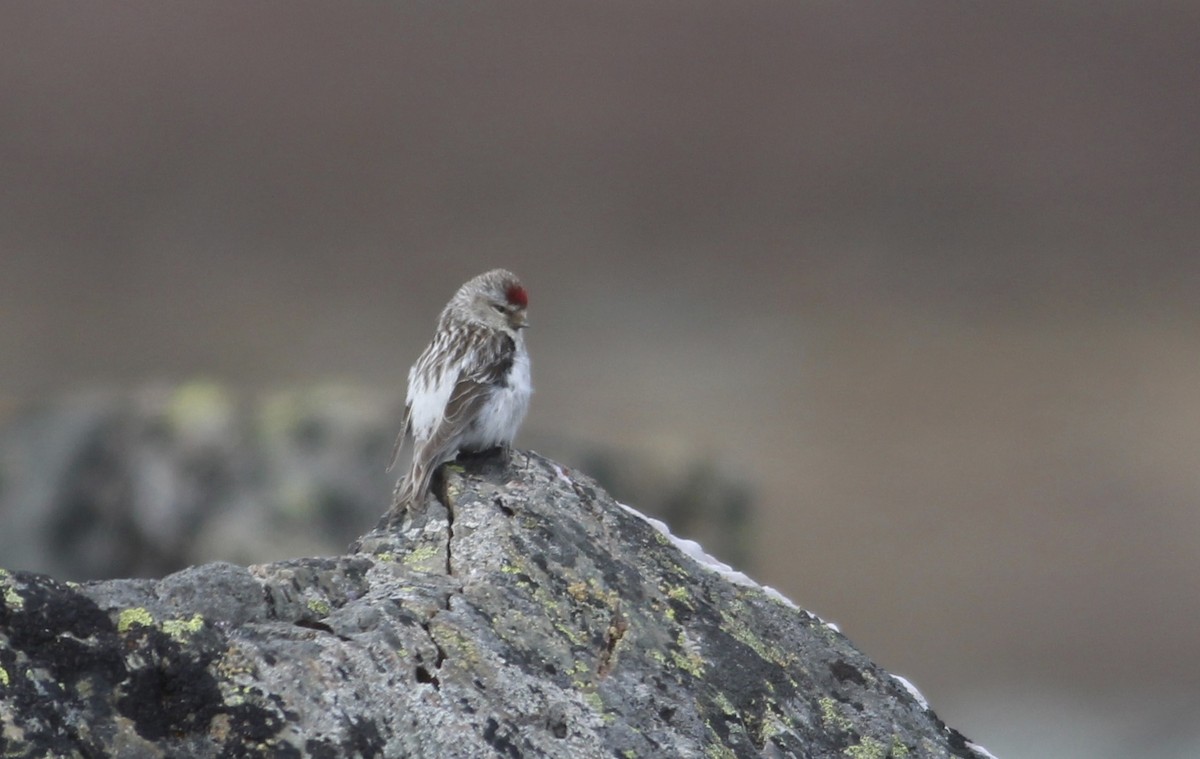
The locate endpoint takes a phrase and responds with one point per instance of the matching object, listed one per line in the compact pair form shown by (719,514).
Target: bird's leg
(506,454)
(506,450)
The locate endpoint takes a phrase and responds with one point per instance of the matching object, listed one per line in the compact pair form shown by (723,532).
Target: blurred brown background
(925,275)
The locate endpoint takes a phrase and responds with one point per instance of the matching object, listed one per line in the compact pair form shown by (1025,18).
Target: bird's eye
(499,308)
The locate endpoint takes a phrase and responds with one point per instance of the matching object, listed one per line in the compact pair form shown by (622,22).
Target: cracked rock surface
(531,616)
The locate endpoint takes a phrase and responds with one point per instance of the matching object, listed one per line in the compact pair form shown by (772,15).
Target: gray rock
(533,617)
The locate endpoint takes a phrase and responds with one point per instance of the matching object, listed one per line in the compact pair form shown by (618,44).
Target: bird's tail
(404,423)
(411,491)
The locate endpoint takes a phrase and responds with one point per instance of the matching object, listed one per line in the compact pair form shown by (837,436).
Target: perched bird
(470,389)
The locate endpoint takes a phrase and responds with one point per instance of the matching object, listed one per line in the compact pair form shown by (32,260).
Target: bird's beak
(519,321)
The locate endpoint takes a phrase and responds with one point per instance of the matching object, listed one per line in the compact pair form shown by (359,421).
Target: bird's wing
(487,365)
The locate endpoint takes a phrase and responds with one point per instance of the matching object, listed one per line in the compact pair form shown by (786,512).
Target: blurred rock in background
(146,482)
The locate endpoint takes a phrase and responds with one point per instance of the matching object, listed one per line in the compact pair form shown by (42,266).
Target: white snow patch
(781,598)
(561,474)
(980,751)
(912,691)
(696,551)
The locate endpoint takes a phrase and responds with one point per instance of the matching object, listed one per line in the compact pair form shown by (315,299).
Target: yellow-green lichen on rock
(725,705)
(576,673)
(133,617)
(236,666)
(680,593)
(740,631)
(181,629)
(594,700)
(12,599)
(574,636)
(868,748)
(560,608)
(773,723)
(422,555)
(578,591)
(718,750)
(832,717)
(459,650)
(607,596)
(689,659)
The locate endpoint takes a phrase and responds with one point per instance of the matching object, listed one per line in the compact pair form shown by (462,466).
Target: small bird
(470,388)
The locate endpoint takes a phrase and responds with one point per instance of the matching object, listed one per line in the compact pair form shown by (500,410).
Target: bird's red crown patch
(516,296)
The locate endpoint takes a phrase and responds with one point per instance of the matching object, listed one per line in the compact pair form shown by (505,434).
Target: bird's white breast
(503,412)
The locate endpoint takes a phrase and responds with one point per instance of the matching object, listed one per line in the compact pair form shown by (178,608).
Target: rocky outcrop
(529,616)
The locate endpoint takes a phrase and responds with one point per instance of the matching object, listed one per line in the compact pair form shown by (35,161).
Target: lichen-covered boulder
(529,616)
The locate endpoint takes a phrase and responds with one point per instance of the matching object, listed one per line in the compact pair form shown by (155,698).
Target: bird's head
(496,299)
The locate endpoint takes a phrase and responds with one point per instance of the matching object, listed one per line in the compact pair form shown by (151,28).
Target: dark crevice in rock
(505,510)
(441,653)
(846,673)
(449,539)
(501,742)
(422,672)
(423,676)
(319,626)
